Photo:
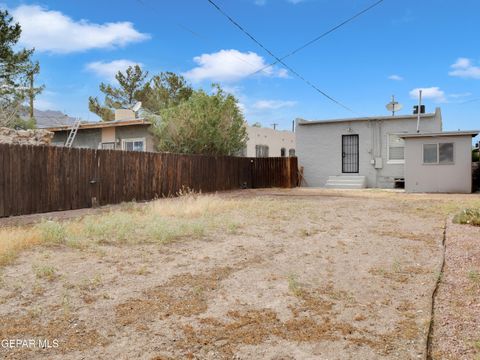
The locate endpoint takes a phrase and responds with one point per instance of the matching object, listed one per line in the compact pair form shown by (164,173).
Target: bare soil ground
(456,331)
(288,274)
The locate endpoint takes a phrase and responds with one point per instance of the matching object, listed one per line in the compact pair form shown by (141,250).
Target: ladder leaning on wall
(72,134)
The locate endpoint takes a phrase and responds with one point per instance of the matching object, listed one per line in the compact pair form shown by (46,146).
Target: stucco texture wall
(319,148)
(85,138)
(447,178)
(274,139)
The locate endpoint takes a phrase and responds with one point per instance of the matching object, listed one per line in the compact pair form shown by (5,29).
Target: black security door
(349,153)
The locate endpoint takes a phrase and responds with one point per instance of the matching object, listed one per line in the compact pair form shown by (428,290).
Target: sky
(395,48)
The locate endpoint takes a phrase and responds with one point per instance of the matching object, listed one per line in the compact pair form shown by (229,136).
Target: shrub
(468,216)
(52,232)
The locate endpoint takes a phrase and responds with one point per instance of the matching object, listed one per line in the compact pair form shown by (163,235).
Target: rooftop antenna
(394,106)
(419,109)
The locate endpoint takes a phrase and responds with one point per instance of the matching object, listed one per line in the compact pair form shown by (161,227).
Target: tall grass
(162,221)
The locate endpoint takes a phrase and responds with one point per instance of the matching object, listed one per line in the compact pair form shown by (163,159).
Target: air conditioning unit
(422,109)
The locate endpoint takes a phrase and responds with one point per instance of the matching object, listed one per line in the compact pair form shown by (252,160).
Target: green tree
(130,86)
(204,124)
(17,71)
(165,90)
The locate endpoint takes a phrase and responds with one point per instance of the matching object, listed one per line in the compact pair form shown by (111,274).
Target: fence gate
(350,154)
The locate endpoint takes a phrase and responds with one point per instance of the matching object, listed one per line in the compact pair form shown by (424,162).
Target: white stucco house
(358,152)
(385,152)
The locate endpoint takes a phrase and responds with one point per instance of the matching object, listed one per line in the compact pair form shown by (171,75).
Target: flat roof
(367,118)
(100,124)
(471,133)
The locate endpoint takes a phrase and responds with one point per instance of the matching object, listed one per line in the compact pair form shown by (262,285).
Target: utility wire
(195,34)
(277,58)
(321,36)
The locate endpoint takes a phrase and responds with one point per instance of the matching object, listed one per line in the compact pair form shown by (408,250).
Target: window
(133,144)
(430,153)
(445,153)
(291,152)
(261,150)
(108,146)
(283,152)
(438,153)
(396,149)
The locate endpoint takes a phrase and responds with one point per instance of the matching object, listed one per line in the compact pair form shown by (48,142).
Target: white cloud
(108,70)
(460,95)
(295,2)
(464,68)
(230,65)
(395,77)
(433,93)
(273,104)
(260,2)
(52,31)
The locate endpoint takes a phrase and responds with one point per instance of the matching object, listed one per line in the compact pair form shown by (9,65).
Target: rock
(25,137)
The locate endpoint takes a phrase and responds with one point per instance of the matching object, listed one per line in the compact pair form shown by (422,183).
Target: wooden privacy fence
(37,179)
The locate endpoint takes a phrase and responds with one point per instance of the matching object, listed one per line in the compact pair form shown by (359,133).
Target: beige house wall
(108,134)
(446,178)
(274,139)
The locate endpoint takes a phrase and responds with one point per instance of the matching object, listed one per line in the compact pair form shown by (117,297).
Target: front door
(349,154)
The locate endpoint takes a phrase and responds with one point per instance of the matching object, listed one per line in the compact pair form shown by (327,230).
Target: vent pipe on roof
(419,109)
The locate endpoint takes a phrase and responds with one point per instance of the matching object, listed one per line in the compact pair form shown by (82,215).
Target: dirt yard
(271,274)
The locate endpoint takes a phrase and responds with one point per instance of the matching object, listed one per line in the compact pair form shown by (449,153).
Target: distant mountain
(49,118)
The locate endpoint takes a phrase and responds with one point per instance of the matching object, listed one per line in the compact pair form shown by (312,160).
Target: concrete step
(346,182)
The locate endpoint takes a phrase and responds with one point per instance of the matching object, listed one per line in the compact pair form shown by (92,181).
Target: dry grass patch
(183,295)
(468,216)
(162,221)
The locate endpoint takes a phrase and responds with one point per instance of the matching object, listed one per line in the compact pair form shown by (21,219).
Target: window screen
(445,153)
(430,153)
(135,145)
(291,152)
(261,151)
(396,148)
(283,152)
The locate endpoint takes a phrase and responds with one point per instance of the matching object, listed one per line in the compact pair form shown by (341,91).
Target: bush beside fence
(38,179)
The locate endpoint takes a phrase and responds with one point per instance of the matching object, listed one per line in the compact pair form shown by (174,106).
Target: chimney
(124,114)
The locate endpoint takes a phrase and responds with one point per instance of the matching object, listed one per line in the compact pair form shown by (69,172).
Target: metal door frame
(351,168)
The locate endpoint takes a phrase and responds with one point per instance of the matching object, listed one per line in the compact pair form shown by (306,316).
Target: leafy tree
(163,91)
(257,124)
(204,124)
(131,83)
(17,71)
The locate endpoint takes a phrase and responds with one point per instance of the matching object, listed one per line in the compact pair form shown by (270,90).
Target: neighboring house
(358,152)
(266,142)
(124,133)
(128,133)
(439,162)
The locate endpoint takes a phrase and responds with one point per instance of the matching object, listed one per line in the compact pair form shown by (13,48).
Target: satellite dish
(394,106)
(137,106)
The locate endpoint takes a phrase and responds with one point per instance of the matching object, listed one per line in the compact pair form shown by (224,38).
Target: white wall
(319,147)
(274,139)
(448,178)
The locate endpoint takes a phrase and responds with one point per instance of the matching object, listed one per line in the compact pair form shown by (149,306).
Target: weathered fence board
(38,179)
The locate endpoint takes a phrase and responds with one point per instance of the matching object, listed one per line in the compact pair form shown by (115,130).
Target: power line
(195,34)
(321,36)
(276,57)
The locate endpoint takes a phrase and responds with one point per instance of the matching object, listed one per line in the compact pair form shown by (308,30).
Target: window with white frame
(396,149)
(441,153)
(133,144)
